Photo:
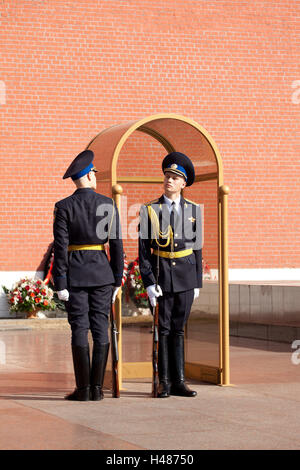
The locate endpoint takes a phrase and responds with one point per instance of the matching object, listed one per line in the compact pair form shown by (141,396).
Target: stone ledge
(264,331)
(268,332)
(7,324)
(33,323)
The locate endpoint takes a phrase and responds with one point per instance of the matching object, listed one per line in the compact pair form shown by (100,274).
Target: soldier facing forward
(83,276)
(170,228)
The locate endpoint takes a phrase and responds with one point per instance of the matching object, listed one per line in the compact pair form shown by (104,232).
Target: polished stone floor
(261,410)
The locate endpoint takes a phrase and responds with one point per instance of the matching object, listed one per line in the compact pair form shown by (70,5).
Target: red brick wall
(73,68)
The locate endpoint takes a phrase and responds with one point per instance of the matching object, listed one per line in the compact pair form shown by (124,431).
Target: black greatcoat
(177,274)
(87,218)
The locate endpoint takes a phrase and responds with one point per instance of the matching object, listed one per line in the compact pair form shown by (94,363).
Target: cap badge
(173,166)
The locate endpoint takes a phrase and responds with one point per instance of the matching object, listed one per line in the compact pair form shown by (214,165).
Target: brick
(73,68)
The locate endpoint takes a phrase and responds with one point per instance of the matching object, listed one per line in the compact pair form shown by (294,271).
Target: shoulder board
(192,202)
(151,202)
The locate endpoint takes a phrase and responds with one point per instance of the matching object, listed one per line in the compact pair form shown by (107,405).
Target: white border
(268,274)
(8,278)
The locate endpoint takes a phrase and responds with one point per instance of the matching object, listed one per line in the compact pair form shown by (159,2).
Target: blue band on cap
(83,172)
(178,169)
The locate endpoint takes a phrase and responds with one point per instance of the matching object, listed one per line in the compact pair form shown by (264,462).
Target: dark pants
(88,308)
(174,310)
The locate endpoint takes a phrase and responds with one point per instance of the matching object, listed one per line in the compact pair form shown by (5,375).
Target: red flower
(27,287)
(37,300)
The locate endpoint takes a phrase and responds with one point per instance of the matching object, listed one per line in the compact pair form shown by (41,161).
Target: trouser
(174,310)
(88,309)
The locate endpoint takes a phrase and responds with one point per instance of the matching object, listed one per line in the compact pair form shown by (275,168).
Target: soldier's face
(173,184)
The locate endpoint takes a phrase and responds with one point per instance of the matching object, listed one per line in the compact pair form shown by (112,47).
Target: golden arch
(107,146)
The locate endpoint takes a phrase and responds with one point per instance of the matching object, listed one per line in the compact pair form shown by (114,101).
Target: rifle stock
(155,379)
(114,353)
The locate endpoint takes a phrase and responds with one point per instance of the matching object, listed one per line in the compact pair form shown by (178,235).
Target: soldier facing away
(83,275)
(170,228)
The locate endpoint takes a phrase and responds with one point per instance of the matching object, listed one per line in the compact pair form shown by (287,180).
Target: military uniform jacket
(87,218)
(175,274)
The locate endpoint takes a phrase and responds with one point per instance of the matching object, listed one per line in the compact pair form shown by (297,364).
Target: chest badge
(191,219)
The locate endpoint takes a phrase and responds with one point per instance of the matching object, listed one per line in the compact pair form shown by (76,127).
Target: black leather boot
(81,362)
(100,355)
(178,386)
(163,367)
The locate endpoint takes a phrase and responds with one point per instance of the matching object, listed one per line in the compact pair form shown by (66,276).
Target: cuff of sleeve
(149,282)
(60,283)
(118,281)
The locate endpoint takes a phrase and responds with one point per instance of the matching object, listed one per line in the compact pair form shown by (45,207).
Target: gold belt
(173,254)
(85,247)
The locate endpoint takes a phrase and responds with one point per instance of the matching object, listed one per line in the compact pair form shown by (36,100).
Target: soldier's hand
(196,293)
(115,293)
(154,292)
(63,295)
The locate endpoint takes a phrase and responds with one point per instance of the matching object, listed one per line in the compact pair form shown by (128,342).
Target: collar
(169,201)
(79,190)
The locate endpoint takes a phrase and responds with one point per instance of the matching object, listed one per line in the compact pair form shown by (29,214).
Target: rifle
(114,353)
(155,378)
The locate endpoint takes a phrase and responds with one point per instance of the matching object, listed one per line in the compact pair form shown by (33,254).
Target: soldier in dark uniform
(83,275)
(170,228)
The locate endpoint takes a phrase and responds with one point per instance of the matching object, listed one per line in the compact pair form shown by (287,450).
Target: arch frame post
(117,190)
(223,286)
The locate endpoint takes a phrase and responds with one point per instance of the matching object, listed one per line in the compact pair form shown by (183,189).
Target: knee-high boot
(178,386)
(163,367)
(81,362)
(99,360)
